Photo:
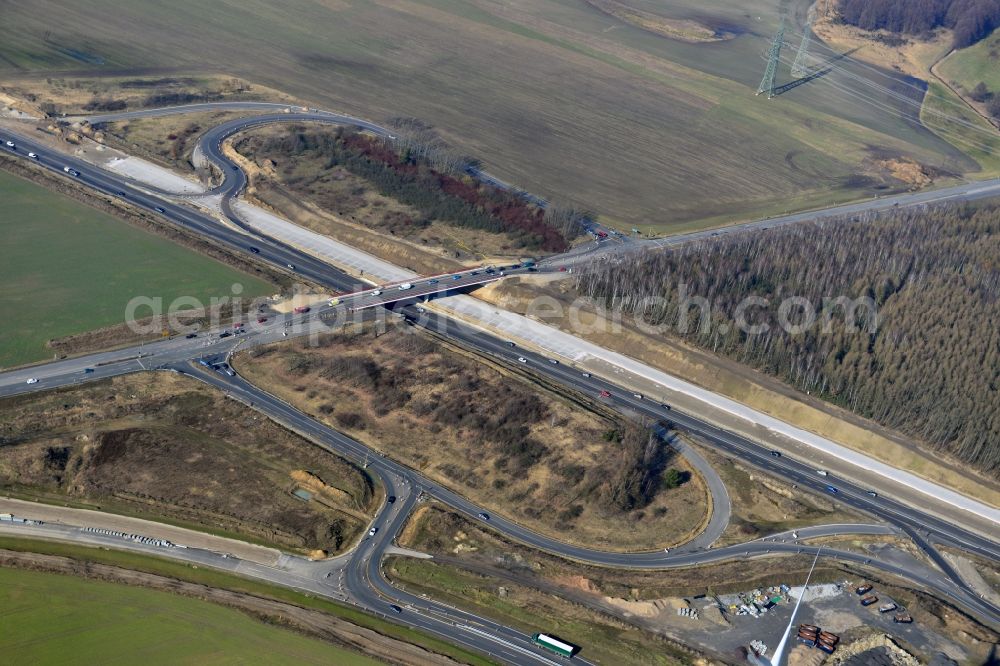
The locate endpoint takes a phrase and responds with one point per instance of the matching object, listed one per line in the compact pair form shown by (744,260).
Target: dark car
(159,210)
(191,335)
(87,371)
(391,499)
(396,609)
(255,250)
(776,454)
(121,194)
(484,516)
(225,334)
(432,282)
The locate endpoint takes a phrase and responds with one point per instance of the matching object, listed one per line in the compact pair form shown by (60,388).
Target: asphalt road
(615,242)
(211,146)
(167,352)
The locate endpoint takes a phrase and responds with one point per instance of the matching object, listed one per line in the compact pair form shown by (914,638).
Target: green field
(978,63)
(68,268)
(602,640)
(228,581)
(553,95)
(52,618)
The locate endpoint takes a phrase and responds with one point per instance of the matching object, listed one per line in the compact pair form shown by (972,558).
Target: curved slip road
(970,191)
(323,274)
(951,502)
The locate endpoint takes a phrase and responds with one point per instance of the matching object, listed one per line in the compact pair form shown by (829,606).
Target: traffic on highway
(360,577)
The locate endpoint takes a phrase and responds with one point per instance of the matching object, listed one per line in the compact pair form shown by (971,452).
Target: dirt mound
(317,486)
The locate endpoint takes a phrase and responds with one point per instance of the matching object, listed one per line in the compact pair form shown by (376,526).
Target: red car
(301,309)
(238,324)
(562,269)
(261,320)
(605,394)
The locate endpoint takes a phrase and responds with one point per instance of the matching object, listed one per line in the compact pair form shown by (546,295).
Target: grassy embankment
(227,581)
(549,460)
(979,63)
(620,616)
(693,143)
(69,269)
(745,385)
(50,618)
(163,447)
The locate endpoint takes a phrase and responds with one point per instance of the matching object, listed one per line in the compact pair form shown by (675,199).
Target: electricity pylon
(767,83)
(799,67)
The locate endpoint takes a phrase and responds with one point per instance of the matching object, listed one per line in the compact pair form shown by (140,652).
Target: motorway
(364,580)
(615,242)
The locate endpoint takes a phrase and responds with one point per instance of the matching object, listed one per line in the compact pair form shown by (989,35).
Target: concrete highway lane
(297,421)
(271,113)
(363,578)
(163,353)
(368,582)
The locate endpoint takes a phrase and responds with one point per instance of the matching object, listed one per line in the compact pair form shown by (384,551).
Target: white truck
(405,286)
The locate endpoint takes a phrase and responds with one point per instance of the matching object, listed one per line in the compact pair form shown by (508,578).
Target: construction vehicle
(863,589)
(869,600)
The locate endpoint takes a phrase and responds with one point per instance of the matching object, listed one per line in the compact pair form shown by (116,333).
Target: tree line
(927,365)
(405,172)
(971,20)
(982,94)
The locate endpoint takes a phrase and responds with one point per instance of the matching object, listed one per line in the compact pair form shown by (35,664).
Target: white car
(521,359)
(405,286)
(377,292)
(33,380)
(372,531)
(822,472)
(10,144)
(33,156)
(637,396)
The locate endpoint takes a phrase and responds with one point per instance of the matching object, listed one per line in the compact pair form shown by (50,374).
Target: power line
(799,67)
(767,83)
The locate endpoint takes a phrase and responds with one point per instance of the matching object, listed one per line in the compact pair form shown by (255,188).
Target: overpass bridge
(429,286)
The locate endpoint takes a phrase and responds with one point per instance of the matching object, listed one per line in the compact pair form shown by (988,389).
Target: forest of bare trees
(929,365)
(418,170)
(971,20)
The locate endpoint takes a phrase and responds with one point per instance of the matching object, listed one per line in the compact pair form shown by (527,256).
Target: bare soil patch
(492,566)
(166,448)
(168,140)
(751,387)
(76,95)
(684,30)
(544,459)
(332,200)
(762,504)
